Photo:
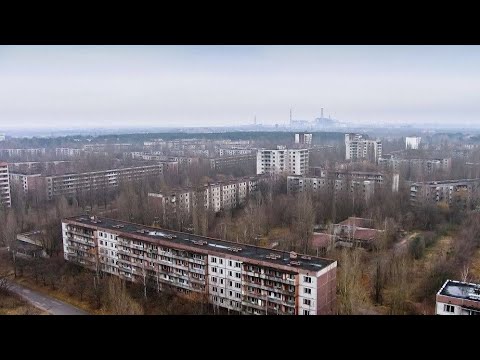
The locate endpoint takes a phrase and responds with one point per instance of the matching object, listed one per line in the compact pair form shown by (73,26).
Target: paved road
(44,302)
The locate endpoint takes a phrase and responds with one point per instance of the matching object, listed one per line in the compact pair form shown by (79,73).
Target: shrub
(417,247)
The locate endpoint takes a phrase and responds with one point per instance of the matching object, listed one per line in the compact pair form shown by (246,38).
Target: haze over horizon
(194,86)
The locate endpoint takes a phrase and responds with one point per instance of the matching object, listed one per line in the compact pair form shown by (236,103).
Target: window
(230,283)
(214,279)
(238,286)
(101,242)
(214,269)
(307,291)
(307,279)
(237,264)
(306,312)
(214,260)
(307,302)
(230,293)
(230,263)
(221,261)
(221,271)
(237,275)
(449,308)
(221,281)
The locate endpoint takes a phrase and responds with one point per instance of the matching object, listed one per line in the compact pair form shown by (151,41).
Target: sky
(162,86)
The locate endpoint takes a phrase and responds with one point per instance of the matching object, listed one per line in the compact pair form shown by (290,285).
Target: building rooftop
(461,290)
(357,222)
(309,263)
(446,182)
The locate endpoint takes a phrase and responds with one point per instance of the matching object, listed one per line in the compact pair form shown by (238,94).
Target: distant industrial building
(458,298)
(282,161)
(5,198)
(234,277)
(358,148)
(412,142)
(303,139)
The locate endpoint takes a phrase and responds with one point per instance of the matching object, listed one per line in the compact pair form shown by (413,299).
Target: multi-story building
(232,276)
(5,198)
(70,184)
(68,152)
(229,162)
(44,167)
(415,166)
(282,161)
(215,196)
(297,184)
(412,142)
(233,151)
(303,139)
(28,182)
(458,298)
(22,152)
(443,191)
(2,137)
(359,148)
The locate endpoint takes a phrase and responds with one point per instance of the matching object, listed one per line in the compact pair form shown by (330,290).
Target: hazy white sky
(117,86)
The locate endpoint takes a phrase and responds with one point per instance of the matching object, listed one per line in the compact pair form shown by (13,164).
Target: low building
(458,298)
(356,232)
(233,277)
(31,244)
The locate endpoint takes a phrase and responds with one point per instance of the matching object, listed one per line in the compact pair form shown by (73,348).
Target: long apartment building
(296,184)
(235,277)
(443,191)
(70,184)
(5,198)
(215,196)
(28,182)
(358,148)
(229,162)
(282,161)
(68,152)
(232,151)
(22,152)
(458,298)
(427,166)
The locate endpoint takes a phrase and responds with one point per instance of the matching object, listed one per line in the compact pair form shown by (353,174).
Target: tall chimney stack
(321,116)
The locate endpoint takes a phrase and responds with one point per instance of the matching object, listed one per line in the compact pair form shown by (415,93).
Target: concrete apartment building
(5,198)
(412,142)
(229,162)
(304,139)
(426,166)
(234,277)
(70,184)
(358,148)
(2,137)
(296,184)
(443,191)
(234,151)
(458,298)
(22,152)
(282,161)
(28,182)
(68,152)
(216,196)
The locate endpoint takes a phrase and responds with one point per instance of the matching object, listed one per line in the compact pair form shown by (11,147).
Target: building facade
(70,184)
(458,298)
(412,142)
(443,191)
(304,139)
(234,277)
(5,198)
(358,148)
(229,162)
(28,182)
(282,161)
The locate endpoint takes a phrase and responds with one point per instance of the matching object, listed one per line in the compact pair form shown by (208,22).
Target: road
(45,302)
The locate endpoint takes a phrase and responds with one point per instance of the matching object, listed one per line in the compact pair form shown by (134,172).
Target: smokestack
(321,116)
(290,116)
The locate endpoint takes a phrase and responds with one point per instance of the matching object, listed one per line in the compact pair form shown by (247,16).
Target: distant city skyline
(201,86)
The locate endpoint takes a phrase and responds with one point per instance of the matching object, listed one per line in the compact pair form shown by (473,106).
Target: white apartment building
(458,298)
(2,137)
(234,277)
(359,148)
(68,152)
(443,191)
(304,139)
(234,151)
(282,161)
(412,142)
(23,152)
(5,198)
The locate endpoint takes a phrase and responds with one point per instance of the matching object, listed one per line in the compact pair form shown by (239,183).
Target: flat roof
(310,263)
(461,290)
(446,182)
